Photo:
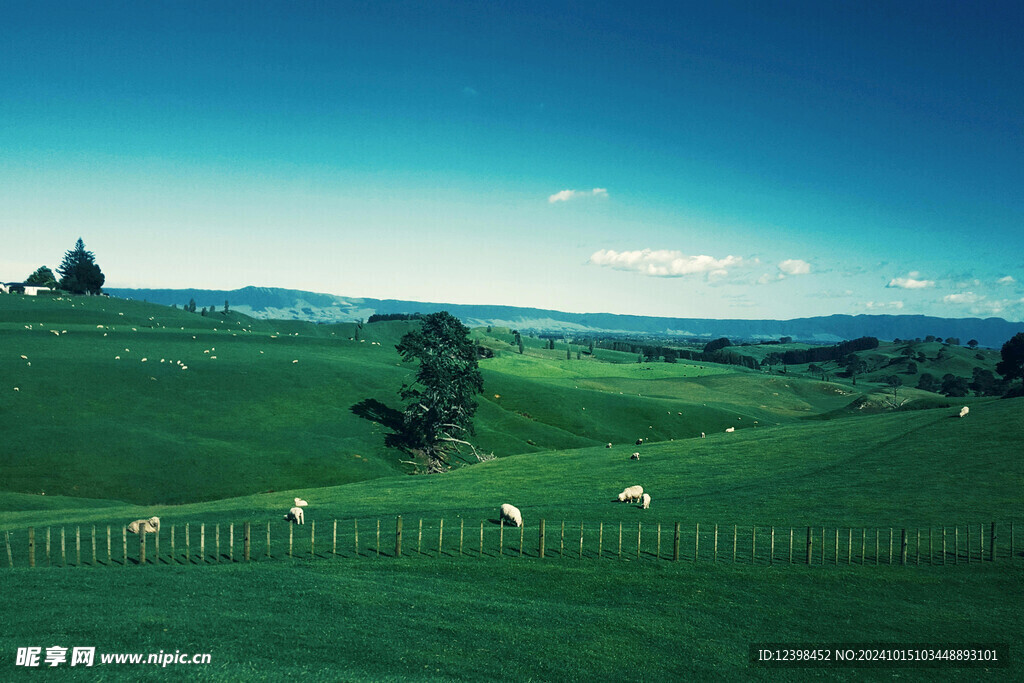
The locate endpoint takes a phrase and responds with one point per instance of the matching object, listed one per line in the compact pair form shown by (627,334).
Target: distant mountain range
(291,304)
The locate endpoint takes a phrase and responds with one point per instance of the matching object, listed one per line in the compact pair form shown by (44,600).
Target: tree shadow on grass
(373,410)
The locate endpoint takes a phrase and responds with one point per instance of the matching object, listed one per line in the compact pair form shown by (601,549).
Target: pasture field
(233,439)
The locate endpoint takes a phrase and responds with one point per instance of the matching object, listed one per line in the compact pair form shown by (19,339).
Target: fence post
(462,528)
(482,536)
(696,543)
(355,528)
(173,554)
(7,542)
(903,548)
(620,540)
(231,542)
(312,538)
(837,546)
(581,540)
(334,539)
(956,545)
(735,535)
(440,538)
(291,537)
(188,544)
(202,542)
(419,539)
(890,545)
(142,544)
(78,546)
(398,536)
(849,548)
(246,541)
(522,533)
(540,541)
(124,544)
(675,544)
(981,543)
(638,524)
(31,546)
(93,564)
(715,552)
(810,542)
(501,537)
(753,544)
(216,541)
(600,539)
(378,535)
(822,546)
(791,545)
(771,548)
(268,539)
(944,546)
(48,546)
(863,544)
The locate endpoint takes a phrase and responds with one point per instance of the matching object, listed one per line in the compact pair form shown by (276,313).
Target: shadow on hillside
(373,410)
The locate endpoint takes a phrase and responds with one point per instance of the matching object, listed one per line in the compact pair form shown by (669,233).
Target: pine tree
(79,272)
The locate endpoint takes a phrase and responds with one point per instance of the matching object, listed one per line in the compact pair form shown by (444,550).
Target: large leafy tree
(79,272)
(42,277)
(1012,365)
(438,419)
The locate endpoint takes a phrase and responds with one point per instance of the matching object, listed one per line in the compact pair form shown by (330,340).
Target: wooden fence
(201,543)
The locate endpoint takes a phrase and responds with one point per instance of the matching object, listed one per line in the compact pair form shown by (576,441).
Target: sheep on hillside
(645,501)
(639,442)
(299,503)
(731,429)
(964,411)
(510,514)
(702,435)
(295,515)
(150,526)
(635,456)
(608,446)
(631,494)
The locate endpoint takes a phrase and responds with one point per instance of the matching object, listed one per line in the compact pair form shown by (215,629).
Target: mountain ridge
(294,304)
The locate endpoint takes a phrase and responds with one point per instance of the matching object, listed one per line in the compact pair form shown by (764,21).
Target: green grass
(204,445)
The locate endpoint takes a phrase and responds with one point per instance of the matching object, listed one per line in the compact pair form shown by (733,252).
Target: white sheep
(702,435)
(730,429)
(510,514)
(608,446)
(635,456)
(150,526)
(645,501)
(295,515)
(631,494)
(639,442)
(964,411)
(299,503)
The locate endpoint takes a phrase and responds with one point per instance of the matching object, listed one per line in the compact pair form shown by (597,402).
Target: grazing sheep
(639,442)
(731,429)
(964,411)
(510,514)
(299,503)
(635,456)
(295,515)
(702,435)
(631,494)
(150,526)
(608,446)
(645,501)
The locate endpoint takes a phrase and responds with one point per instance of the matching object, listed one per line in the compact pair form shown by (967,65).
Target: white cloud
(795,266)
(665,263)
(566,195)
(910,282)
(882,305)
(962,298)
(1008,280)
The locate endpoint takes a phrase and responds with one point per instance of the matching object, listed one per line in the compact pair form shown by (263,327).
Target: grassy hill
(204,445)
(168,406)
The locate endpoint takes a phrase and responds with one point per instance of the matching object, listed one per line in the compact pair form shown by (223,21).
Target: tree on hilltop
(439,416)
(79,272)
(42,277)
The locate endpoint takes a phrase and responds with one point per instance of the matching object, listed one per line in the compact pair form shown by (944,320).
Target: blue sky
(732,160)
